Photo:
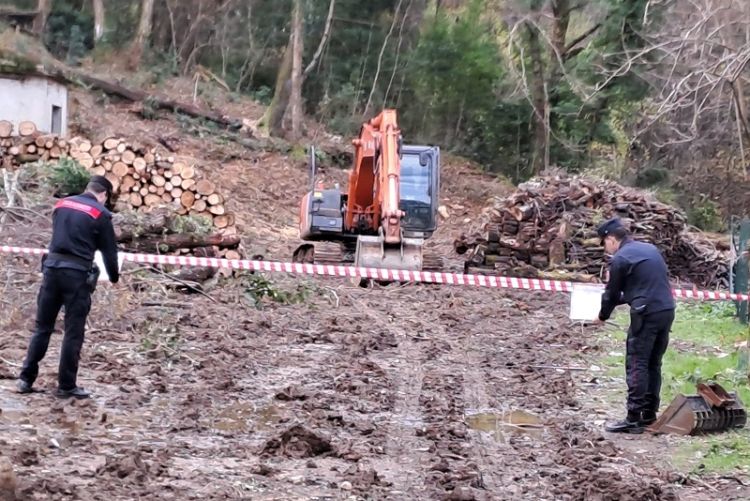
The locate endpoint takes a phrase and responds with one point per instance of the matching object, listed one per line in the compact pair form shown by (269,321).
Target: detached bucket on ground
(712,410)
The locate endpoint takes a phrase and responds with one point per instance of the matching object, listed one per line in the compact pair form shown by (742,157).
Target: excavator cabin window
(417,183)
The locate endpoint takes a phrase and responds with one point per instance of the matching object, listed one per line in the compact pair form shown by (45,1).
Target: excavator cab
(420,184)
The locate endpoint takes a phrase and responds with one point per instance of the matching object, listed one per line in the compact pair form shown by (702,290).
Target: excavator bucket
(372,253)
(712,410)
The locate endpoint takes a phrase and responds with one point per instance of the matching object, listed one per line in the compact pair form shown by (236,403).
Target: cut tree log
(135,199)
(199,206)
(187,172)
(205,187)
(128,157)
(26,128)
(217,210)
(151,200)
(110,143)
(215,199)
(224,221)
(6,128)
(187,199)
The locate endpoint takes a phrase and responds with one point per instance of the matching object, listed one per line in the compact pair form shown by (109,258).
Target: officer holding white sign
(638,276)
(81,226)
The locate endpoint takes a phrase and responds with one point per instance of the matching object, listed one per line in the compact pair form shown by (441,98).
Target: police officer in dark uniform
(81,225)
(638,276)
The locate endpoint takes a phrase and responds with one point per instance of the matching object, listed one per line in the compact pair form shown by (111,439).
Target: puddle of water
(500,424)
(240,416)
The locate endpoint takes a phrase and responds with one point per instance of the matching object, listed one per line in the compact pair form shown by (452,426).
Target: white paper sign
(99,261)
(586,301)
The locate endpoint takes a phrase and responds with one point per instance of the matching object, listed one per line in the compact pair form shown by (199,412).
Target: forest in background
(651,92)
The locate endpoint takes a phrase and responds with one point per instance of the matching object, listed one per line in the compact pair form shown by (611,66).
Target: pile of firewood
(547,229)
(142,176)
(160,199)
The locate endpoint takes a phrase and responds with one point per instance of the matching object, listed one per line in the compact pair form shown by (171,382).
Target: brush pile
(547,228)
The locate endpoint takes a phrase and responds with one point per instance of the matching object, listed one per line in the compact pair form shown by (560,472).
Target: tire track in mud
(404,448)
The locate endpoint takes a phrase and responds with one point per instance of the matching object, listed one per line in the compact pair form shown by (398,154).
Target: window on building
(56,120)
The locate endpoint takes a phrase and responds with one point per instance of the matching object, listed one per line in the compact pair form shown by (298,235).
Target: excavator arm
(374,182)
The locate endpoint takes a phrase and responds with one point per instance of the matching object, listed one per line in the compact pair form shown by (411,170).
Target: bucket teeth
(712,410)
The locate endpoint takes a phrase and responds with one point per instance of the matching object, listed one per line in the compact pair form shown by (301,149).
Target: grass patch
(725,453)
(703,346)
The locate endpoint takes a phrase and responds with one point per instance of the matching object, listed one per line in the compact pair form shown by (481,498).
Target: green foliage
(725,453)
(66,176)
(159,339)
(706,215)
(263,94)
(199,225)
(69,33)
(258,289)
(452,79)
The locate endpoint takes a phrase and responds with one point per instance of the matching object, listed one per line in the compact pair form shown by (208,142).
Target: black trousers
(647,342)
(68,287)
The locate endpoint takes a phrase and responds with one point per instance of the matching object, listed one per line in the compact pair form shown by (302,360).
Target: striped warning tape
(379,273)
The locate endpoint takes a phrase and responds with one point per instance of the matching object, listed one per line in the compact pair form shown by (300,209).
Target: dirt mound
(587,459)
(548,227)
(298,442)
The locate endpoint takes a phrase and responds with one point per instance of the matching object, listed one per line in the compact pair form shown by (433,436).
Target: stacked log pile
(547,228)
(145,178)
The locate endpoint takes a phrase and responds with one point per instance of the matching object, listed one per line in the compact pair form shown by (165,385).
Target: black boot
(76,392)
(23,386)
(631,424)
(648,418)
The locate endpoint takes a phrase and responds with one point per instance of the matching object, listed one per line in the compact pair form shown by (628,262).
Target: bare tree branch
(323,40)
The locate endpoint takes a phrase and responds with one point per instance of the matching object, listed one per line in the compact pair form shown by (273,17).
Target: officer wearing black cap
(638,276)
(81,225)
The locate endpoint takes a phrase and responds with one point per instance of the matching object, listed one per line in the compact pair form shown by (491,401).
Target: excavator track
(334,253)
(431,261)
(326,253)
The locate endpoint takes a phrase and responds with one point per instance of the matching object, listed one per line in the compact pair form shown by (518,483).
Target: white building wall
(32,98)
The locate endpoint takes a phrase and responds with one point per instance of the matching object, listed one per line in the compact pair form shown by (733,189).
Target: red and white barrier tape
(378,274)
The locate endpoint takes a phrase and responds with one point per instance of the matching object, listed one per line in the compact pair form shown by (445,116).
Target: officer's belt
(70,258)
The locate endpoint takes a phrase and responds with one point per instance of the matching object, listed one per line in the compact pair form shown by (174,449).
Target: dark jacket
(639,277)
(80,227)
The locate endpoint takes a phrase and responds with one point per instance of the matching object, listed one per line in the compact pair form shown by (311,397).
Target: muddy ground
(278,387)
(389,393)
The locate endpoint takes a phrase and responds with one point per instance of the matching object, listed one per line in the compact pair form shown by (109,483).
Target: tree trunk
(287,96)
(98,20)
(169,243)
(271,120)
(143,34)
(295,97)
(43,8)
(539,102)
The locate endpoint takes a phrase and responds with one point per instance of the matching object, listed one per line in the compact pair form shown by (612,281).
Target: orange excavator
(388,211)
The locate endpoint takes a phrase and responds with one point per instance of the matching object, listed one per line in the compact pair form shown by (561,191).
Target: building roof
(12,13)
(34,74)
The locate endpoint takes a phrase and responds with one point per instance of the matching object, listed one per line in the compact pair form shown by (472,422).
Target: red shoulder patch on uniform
(72,204)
